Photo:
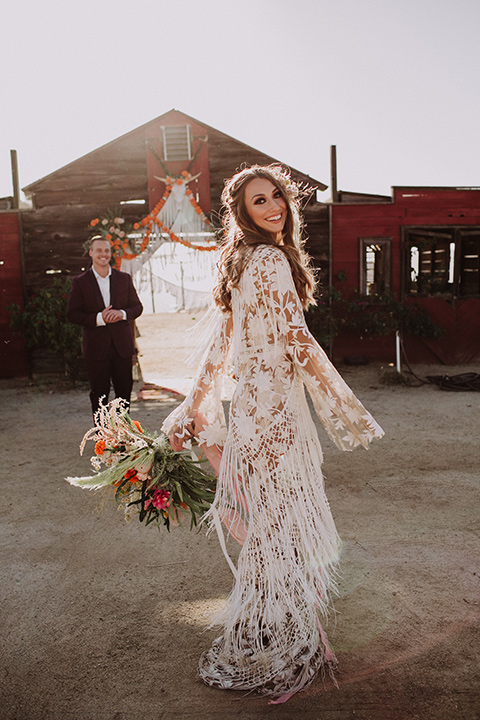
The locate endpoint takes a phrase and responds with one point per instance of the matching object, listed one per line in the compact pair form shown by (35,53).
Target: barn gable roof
(68,171)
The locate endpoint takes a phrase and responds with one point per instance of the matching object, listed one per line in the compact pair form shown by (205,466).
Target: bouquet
(149,478)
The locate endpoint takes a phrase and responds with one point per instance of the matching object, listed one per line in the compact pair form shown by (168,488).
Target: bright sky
(394,84)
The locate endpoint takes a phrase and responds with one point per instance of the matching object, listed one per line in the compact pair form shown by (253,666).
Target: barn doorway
(443,262)
(441,270)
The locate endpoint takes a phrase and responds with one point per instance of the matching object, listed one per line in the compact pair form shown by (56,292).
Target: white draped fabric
(169,276)
(174,278)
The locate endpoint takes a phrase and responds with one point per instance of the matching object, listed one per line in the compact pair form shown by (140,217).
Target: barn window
(375,265)
(469,270)
(443,261)
(177,142)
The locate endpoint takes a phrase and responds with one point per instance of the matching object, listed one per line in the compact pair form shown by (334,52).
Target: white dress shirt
(104,285)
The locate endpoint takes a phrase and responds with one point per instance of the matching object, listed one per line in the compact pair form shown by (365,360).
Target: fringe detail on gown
(272,640)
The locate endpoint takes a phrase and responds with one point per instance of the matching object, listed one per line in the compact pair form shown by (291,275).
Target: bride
(270,492)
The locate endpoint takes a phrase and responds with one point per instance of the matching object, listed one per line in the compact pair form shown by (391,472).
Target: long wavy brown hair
(241,235)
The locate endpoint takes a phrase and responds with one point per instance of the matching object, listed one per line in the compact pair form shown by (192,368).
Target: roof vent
(177,142)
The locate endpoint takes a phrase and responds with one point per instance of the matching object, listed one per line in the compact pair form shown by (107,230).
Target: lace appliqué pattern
(270,491)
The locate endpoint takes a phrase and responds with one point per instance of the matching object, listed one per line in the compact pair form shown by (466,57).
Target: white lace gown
(270,493)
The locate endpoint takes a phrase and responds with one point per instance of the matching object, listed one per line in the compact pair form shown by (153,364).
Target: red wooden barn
(128,172)
(422,244)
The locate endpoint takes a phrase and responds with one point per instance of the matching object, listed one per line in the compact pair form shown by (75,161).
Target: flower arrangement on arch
(148,478)
(152,222)
(118,231)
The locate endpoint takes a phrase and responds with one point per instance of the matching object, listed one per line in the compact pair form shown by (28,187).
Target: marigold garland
(114,228)
(150,220)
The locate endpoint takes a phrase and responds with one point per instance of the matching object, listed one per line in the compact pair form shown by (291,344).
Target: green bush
(321,318)
(368,317)
(43,324)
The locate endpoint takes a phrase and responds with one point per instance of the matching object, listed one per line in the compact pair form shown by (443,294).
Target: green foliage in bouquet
(149,479)
(43,324)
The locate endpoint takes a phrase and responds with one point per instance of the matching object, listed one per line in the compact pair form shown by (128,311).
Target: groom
(104,301)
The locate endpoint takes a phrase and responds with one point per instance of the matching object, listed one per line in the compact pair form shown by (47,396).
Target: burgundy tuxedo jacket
(86,301)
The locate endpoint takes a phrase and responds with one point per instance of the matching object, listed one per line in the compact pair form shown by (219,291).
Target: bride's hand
(176,442)
(182,434)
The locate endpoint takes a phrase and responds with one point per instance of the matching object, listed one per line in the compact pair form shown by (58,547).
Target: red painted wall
(351,222)
(409,207)
(13,356)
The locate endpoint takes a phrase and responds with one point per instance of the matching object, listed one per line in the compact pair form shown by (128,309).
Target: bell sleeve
(205,398)
(343,416)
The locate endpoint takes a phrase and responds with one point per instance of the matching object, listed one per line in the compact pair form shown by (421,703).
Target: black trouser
(114,368)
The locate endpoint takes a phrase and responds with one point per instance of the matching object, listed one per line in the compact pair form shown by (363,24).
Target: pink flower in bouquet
(159,499)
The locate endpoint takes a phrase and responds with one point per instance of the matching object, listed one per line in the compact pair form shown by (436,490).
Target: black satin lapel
(113,285)
(96,290)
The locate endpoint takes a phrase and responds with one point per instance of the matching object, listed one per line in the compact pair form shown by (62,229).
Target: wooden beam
(333,172)
(15,182)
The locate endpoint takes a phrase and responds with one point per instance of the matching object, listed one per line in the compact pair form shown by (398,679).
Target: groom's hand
(111,316)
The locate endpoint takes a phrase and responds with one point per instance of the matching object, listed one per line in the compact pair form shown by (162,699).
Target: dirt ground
(104,620)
